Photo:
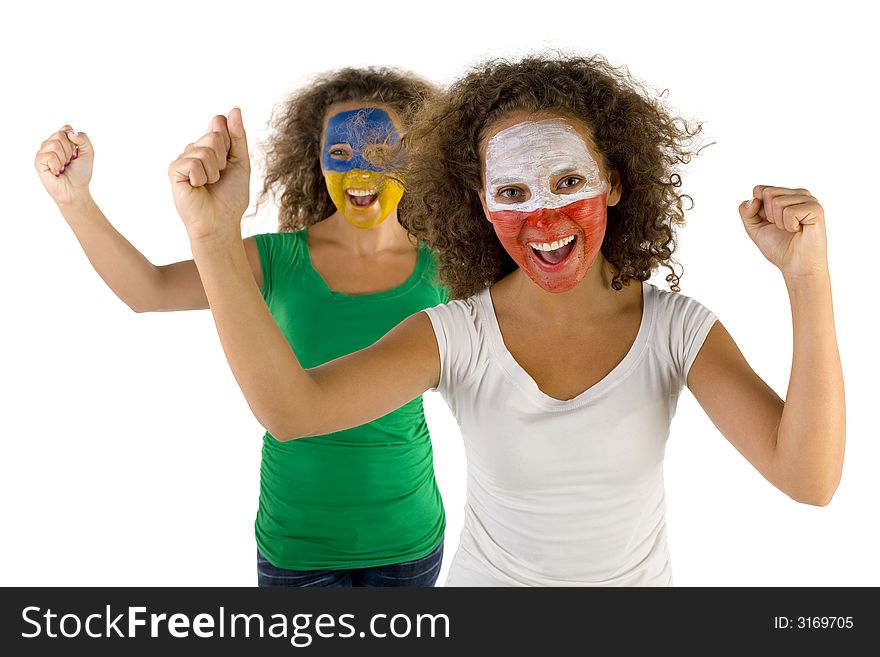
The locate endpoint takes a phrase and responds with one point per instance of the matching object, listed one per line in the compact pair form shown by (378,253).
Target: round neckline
(410,282)
(524,381)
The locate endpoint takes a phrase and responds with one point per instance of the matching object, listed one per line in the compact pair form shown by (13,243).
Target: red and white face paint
(546,200)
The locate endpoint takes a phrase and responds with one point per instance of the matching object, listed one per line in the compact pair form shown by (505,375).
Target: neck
(593,296)
(386,236)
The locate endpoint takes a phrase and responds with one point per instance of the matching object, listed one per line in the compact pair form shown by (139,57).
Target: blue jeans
(421,572)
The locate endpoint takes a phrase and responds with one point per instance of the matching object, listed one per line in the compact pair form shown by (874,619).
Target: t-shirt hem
(351,565)
(262,250)
(697,344)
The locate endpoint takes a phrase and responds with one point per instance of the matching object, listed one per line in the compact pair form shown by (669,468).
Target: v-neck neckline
(528,385)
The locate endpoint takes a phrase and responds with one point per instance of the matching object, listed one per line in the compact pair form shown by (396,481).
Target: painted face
(546,200)
(359,190)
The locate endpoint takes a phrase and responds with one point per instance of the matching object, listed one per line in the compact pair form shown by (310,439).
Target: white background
(127,453)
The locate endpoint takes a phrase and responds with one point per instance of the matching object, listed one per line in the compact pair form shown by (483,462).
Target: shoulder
(461,326)
(460,313)
(673,308)
(463,339)
(429,269)
(428,258)
(286,238)
(681,324)
(278,255)
(283,245)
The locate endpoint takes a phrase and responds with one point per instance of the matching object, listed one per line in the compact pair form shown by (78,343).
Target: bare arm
(64,164)
(286,399)
(797,444)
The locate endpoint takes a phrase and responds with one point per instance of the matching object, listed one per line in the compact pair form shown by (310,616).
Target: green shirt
(361,497)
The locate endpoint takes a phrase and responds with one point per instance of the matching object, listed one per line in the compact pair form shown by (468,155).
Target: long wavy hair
(630,127)
(293,177)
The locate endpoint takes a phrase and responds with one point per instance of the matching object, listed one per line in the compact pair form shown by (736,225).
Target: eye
(340,152)
(509,193)
(569,182)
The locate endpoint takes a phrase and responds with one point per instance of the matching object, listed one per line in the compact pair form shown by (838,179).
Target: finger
(209,161)
(218,142)
(772,213)
(64,135)
(187,169)
(49,161)
(748,210)
(60,139)
(218,124)
(805,213)
(759,190)
(767,193)
(780,203)
(238,149)
(55,147)
(82,143)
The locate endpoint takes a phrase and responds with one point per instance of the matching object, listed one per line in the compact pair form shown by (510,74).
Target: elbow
(281,419)
(281,436)
(814,480)
(283,429)
(820,499)
(138,305)
(286,421)
(817,494)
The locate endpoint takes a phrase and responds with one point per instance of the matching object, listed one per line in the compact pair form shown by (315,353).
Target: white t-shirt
(565,493)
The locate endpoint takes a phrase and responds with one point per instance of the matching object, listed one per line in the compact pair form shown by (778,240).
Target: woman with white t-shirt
(548,188)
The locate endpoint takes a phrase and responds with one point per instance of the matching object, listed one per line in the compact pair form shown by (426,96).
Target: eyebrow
(510,180)
(507,181)
(568,168)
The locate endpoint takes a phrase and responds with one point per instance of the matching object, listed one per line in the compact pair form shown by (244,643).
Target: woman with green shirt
(359,507)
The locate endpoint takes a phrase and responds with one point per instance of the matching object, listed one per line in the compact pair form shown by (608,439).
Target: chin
(555,285)
(564,280)
(360,219)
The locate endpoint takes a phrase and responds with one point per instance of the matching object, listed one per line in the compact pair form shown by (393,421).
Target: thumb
(749,213)
(238,148)
(80,140)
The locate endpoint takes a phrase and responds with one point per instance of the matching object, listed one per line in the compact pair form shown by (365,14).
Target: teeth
(551,246)
(360,192)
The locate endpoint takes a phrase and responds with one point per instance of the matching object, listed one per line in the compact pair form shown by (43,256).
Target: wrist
(819,277)
(212,242)
(77,202)
(806,290)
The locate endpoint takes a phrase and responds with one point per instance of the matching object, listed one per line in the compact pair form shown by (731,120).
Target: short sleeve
(281,255)
(432,275)
(264,243)
(686,323)
(455,329)
(696,321)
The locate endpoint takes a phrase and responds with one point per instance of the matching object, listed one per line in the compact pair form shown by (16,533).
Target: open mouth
(361,198)
(555,252)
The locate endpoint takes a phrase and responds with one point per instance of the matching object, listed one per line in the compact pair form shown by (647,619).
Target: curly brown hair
(293,176)
(634,134)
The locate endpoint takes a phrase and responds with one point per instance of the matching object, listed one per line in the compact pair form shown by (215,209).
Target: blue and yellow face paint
(358,187)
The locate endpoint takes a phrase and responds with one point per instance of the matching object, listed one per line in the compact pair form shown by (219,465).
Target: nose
(360,177)
(543,219)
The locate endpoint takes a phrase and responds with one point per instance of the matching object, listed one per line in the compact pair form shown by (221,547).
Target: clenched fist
(210,180)
(788,226)
(64,163)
